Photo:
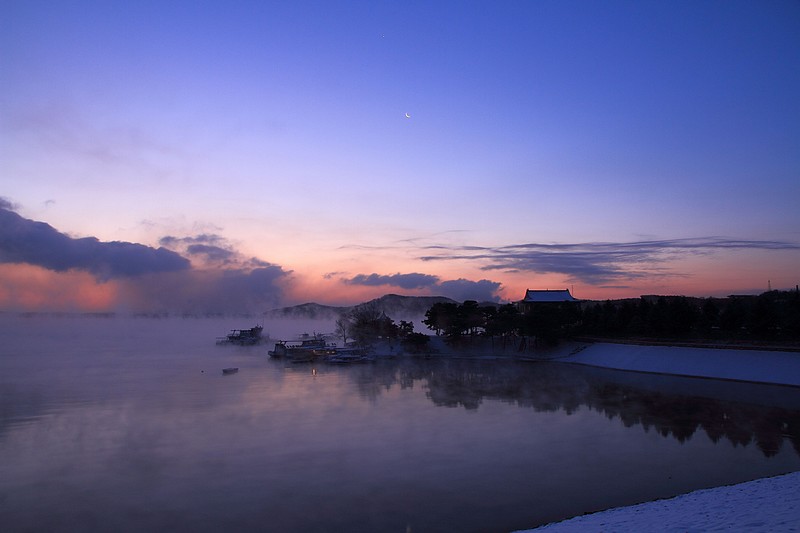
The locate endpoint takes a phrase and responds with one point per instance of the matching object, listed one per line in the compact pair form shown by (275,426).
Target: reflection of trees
(553,387)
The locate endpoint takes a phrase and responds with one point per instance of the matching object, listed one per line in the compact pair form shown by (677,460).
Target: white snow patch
(769,504)
(762,366)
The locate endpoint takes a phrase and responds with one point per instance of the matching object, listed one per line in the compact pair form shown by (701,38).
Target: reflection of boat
(242,337)
(231,370)
(306,349)
(343,356)
(347,359)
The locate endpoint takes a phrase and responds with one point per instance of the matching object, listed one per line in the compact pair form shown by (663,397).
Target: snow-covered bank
(774,367)
(770,504)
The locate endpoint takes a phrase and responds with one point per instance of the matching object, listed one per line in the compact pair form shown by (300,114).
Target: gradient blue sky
(620,148)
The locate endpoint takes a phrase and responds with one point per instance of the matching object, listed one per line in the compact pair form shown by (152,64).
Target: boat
(346,356)
(304,350)
(231,370)
(243,337)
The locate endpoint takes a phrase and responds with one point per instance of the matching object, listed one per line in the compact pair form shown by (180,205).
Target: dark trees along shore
(771,316)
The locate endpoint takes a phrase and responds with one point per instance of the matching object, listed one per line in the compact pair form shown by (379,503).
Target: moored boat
(303,350)
(243,337)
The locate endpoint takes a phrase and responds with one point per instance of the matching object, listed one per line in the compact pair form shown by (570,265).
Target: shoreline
(765,504)
(709,344)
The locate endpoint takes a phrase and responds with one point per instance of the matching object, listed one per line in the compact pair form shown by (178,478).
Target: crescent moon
(408,116)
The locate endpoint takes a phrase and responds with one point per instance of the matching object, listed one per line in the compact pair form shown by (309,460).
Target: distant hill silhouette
(394,305)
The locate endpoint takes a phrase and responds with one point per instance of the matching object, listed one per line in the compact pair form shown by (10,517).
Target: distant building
(535,297)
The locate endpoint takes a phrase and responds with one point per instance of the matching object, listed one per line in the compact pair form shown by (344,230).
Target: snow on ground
(769,504)
(760,366)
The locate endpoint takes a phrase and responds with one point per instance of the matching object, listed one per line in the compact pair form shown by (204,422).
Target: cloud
(171,241)
(209,291)
(7,204)
(37,243)
(463,289)
(404,281)
(598,263)
(143,278)
(211,253)
(460,289)
(60,126)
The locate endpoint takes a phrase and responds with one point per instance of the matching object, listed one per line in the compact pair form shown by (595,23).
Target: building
(534,297)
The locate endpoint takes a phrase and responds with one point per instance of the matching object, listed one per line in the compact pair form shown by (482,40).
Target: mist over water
(128,424)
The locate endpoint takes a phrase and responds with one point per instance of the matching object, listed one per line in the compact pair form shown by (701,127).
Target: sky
(241,156)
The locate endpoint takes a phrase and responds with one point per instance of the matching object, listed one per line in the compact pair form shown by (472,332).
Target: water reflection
(740,413)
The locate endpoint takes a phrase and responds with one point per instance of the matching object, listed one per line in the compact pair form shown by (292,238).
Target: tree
(343,326)
(470,317)
(765,316)
(544,322)
(404,329)
(733,317)
(415,342)
(440,316)
(681,316)
(506,321)
(709,316)
(369,322)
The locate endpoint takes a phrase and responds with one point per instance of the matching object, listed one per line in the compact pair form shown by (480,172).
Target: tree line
(470,319)
(773,315)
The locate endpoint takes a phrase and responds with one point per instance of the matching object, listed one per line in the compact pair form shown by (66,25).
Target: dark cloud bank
(151,279)
(37,243)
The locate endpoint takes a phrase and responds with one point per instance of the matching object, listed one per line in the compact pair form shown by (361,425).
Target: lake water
(128,424)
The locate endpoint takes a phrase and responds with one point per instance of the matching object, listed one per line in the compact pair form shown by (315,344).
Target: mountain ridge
(394,305)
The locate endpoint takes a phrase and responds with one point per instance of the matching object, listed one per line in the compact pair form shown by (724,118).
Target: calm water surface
(118,424)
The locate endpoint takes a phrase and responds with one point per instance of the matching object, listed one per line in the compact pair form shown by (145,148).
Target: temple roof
(546,295)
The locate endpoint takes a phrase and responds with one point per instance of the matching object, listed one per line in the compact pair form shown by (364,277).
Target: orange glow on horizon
(31,288)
